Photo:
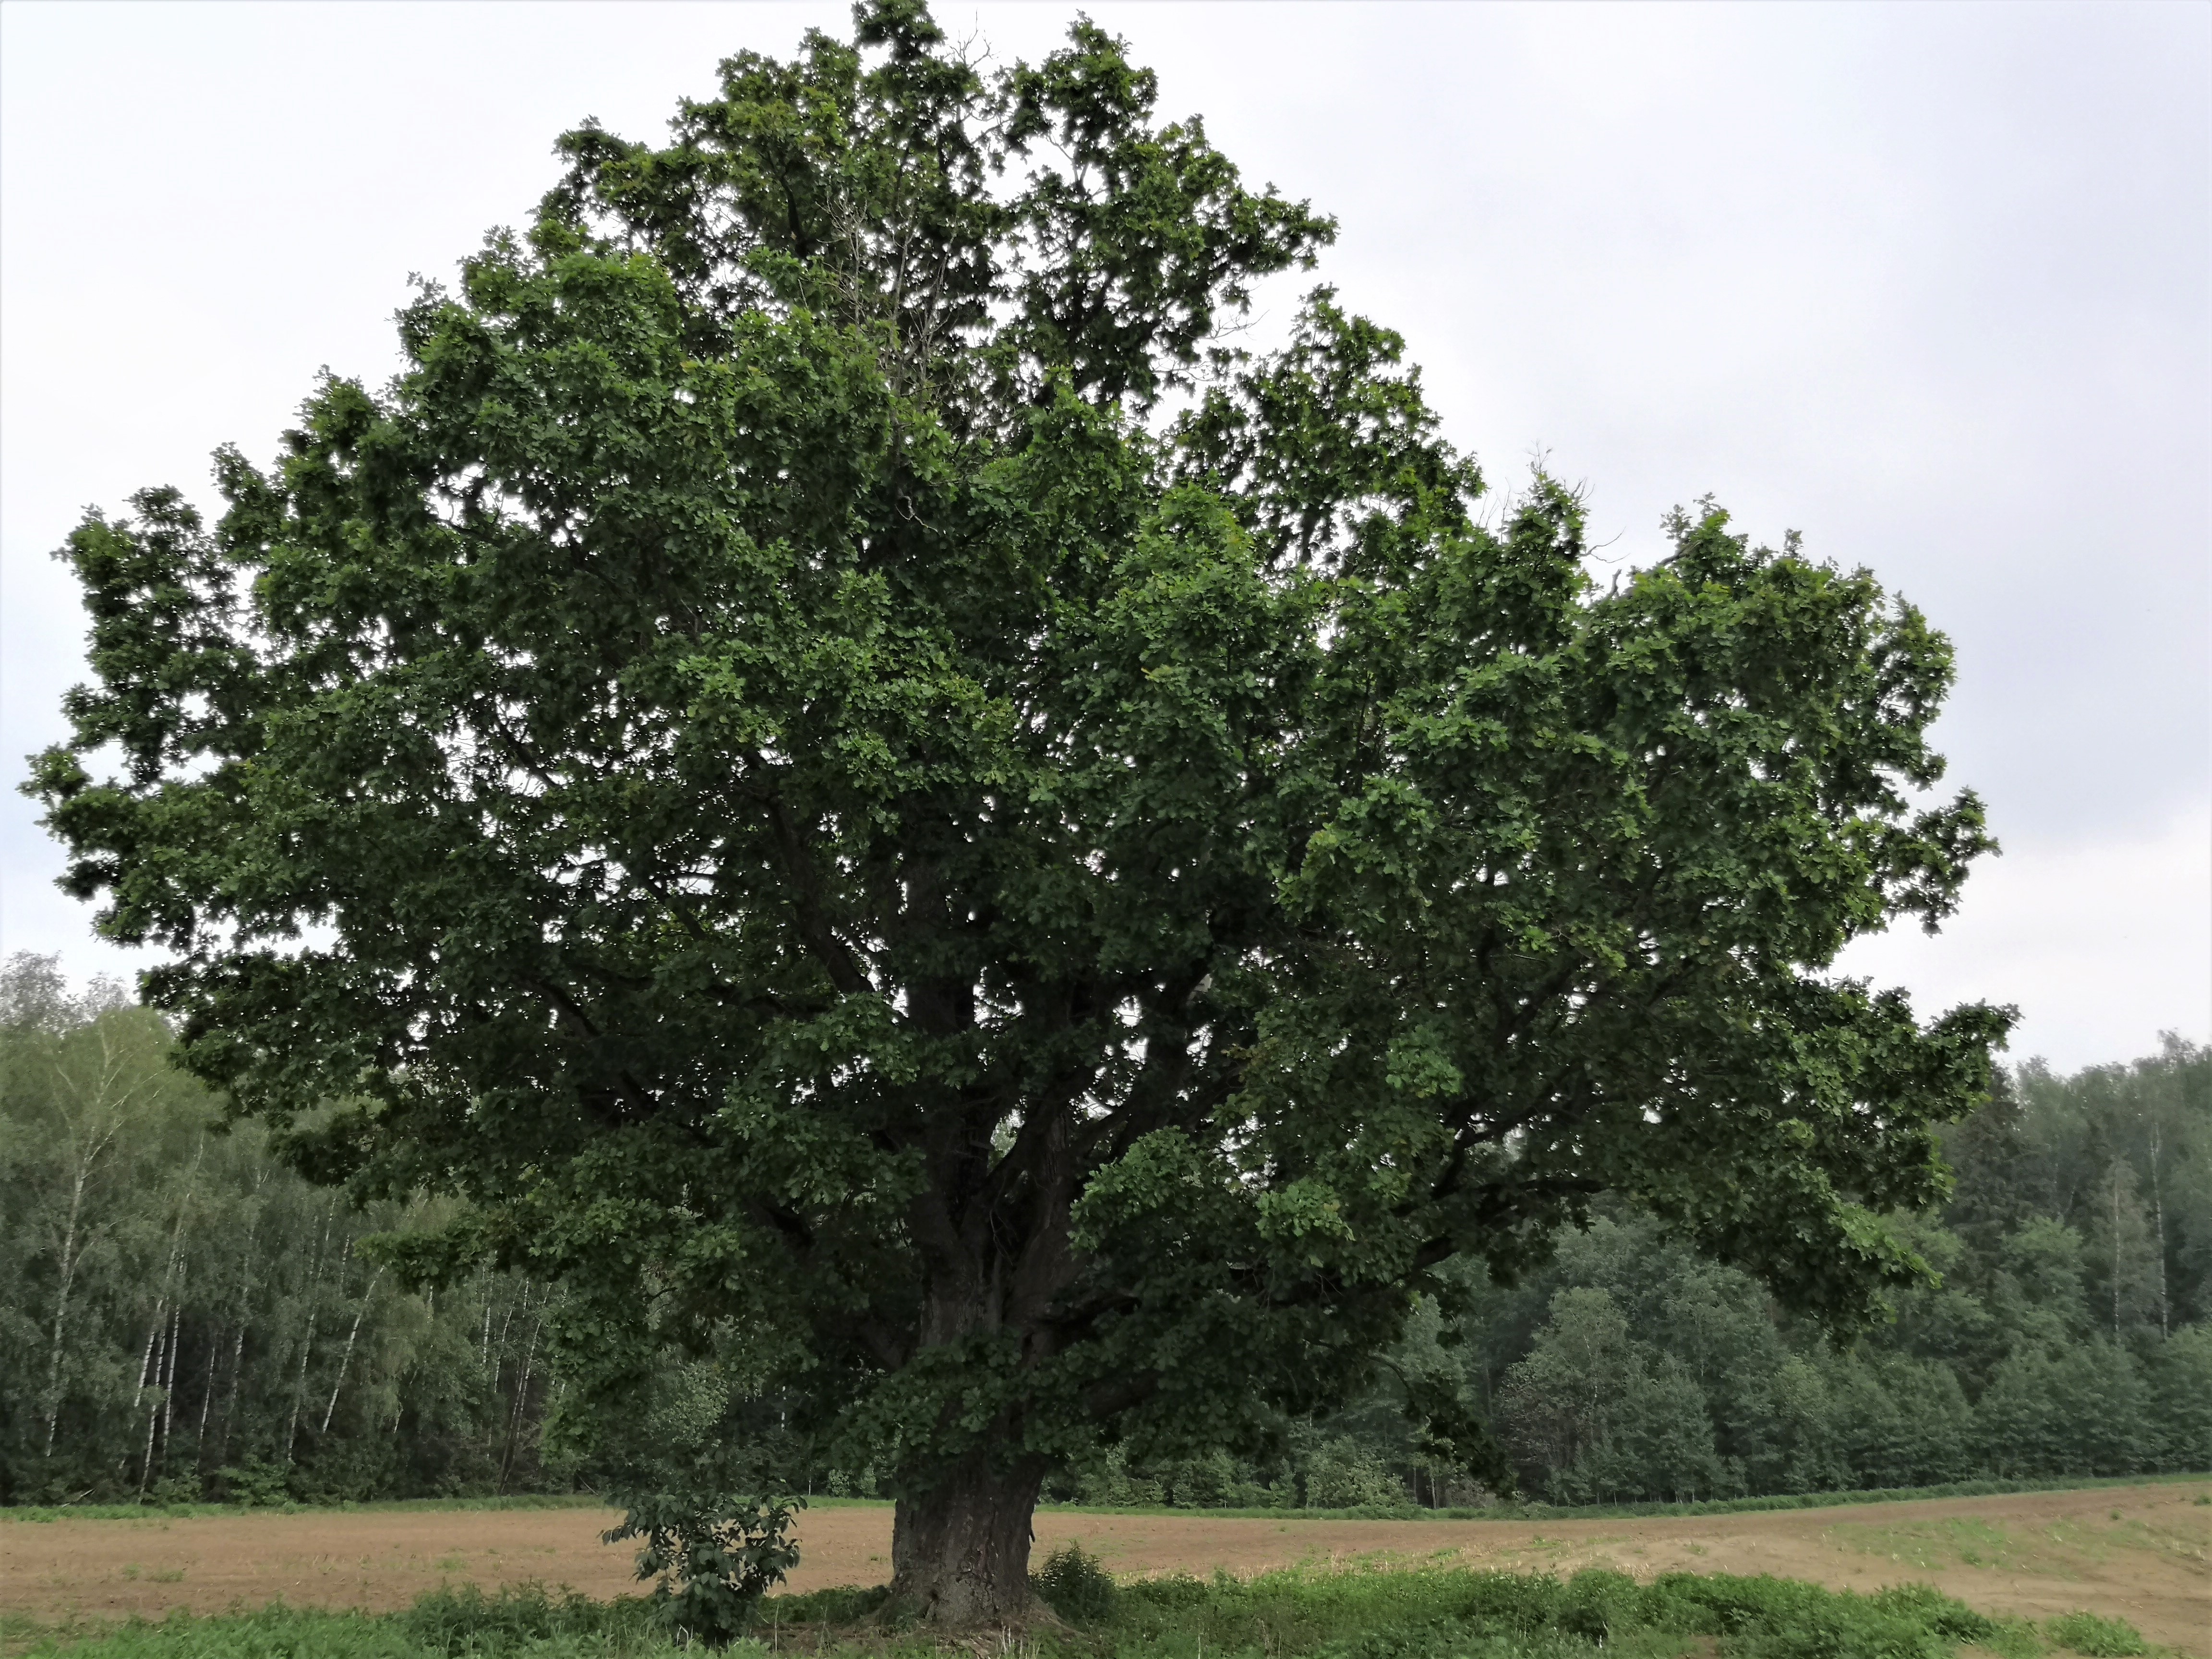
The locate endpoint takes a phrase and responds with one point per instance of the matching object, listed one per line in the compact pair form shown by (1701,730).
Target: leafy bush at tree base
(722,1550)
(1076,1585)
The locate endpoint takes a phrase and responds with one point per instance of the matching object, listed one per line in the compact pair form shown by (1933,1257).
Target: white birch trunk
(153,1411)
(207,1399)
(245,1311)
(308,1340)
(230,1405)
(169,1384)
(100,1114)
(61,1305)
(346,1358)
(522,1403)
(2158,1227)
(2116,1252)
(145,1357)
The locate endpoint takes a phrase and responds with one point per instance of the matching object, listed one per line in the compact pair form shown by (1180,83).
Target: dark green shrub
(2101,1638)
(1452,1641)
(1600,1604)
(1782,1618)
(1924,1604)
(1177,1592)
(1076,1586)
(255,1484)
(450,1621)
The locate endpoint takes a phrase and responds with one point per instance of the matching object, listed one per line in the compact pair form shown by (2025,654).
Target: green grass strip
(1421,1614)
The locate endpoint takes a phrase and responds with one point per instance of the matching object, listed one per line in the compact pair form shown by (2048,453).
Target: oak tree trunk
(992,1266)
(960,1547)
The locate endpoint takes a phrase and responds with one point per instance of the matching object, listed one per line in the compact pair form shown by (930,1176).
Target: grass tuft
(2100,1638)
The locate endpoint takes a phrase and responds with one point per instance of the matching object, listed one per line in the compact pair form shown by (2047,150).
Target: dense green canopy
(906,823)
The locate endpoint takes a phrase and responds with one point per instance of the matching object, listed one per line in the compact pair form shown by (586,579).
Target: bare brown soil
(2137,1552)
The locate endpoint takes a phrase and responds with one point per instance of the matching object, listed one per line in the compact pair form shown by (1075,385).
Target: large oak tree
(1008,876)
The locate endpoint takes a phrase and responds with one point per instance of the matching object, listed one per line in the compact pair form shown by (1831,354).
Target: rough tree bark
(960,1547)
(994,1244)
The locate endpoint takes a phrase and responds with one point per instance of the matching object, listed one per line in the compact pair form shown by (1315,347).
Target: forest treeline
(183,1317)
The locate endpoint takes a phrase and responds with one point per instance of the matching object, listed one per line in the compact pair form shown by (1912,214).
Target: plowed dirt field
(2139,1552)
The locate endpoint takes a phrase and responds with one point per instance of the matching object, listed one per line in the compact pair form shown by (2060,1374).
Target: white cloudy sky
(1928,283)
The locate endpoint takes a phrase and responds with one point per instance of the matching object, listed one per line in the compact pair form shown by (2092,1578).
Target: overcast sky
(1928,283)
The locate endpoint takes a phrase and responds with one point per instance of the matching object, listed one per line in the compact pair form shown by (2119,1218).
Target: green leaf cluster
(722,1550)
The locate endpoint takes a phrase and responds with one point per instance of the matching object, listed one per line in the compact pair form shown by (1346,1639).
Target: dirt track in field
(2137,1552)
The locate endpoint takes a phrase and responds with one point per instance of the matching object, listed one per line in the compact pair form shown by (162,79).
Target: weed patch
(2100,1638)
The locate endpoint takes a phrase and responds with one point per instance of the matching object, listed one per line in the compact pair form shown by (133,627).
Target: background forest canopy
(183,1317)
